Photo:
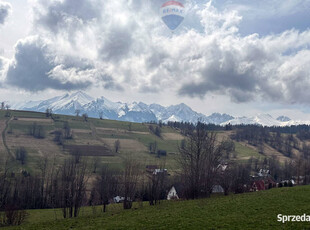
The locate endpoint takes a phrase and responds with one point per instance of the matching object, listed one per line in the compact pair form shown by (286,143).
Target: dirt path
(4,126)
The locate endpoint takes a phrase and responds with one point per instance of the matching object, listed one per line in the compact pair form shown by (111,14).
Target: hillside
(96,138)
(256,210)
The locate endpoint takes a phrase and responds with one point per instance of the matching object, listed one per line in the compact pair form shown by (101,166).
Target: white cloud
(123,45)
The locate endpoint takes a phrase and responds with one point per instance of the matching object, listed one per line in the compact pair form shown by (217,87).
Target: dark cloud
(109,83)
(223,76)
(149,89)
(32,66)
(5,9)
(116,44)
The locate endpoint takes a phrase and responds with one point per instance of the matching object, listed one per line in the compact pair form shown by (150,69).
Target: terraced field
(96,139)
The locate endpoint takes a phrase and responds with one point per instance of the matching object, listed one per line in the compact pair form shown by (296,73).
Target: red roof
(260,185)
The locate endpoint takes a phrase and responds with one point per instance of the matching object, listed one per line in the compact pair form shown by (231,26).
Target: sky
(237,57)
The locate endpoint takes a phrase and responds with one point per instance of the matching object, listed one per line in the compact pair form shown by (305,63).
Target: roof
(260,185)
(217,189)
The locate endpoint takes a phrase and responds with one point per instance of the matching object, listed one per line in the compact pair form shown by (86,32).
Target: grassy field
(135,139)
(256,210)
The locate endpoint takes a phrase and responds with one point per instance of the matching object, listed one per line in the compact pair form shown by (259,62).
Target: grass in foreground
(257,210)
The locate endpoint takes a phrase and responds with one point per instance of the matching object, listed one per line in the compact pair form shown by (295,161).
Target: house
(172,194)
(269,183)
(118,199)
(222,167)
(158,171)
(258,185)
(263,173)
(288,183)
(298,179)
(263,184)
(217,189)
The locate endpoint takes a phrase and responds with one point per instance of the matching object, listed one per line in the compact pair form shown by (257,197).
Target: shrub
(21,155)
(12,216)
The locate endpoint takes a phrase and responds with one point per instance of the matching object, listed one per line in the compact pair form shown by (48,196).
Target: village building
(172,194)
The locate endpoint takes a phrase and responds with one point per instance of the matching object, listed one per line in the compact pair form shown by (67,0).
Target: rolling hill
(95,138)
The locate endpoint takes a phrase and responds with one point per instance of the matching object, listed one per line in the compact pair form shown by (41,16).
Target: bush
(162,153)
(21,155)
(290,184)
(280,185)
(58,138)
(12,216)
(37,131)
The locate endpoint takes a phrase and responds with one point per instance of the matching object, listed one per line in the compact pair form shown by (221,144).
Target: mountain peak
(283,118)
(141,112)
(82,95)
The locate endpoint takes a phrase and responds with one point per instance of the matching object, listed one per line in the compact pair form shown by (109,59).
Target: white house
(172,194)
(217,189)
(118,199)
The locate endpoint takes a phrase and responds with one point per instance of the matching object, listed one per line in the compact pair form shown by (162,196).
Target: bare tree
(106,186)
(21,155)
(77,112)
(241,178)
(101,115)
(226,176)
(7,106)
(48,112)
(117,146)
(73,187)
(5,183)
(85,116)
(37,131)
(131,176)
(156,186)
(67,131)
(199,160)
(2,105)
(95,164)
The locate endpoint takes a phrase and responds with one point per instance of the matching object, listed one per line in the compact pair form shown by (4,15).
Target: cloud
(5,9)
(66,15)
(3,64)
(246,68)
(123,45)
(35,68)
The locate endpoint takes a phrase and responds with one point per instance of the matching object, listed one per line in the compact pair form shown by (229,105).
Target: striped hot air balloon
(172,13)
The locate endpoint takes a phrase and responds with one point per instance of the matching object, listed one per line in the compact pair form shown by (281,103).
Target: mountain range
(68,104)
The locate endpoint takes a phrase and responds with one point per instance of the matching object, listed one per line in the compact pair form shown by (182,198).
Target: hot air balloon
(172,13)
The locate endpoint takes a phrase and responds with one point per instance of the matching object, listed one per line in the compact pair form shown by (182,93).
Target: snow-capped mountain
(178,113)
(265,120)
(136,112)
(65,104)
(140,112)
(217,118)
(261,119)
